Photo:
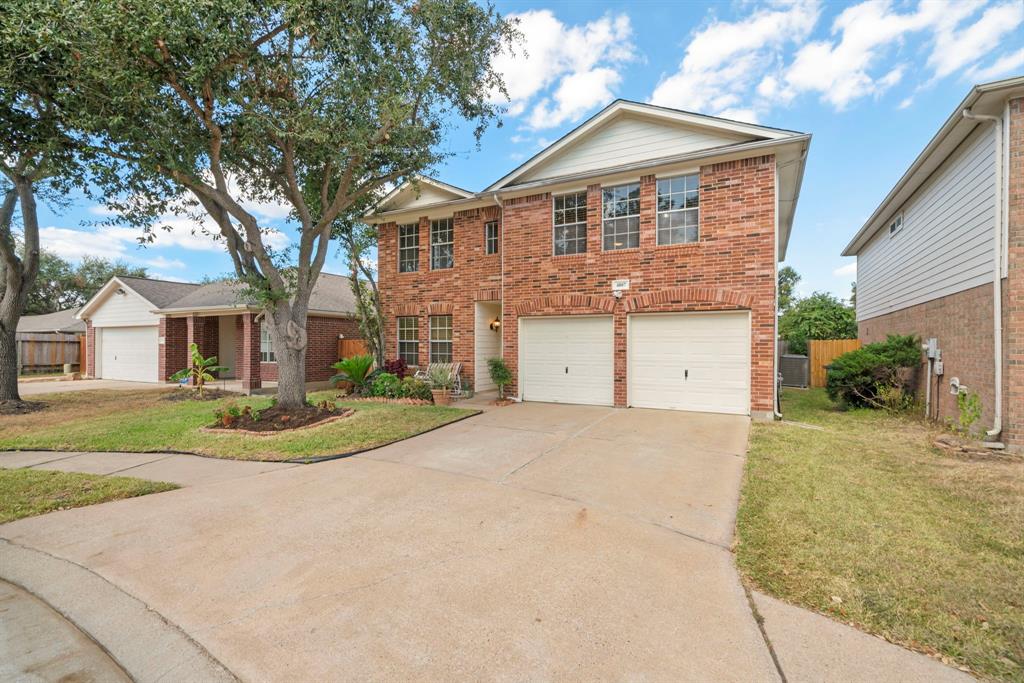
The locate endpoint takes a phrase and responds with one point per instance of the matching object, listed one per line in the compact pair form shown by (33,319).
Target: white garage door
(690,361)
(567,360)
(130,353)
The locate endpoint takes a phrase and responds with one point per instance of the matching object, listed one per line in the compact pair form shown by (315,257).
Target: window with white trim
(266,345)
(678,209)
(570,223)
(896,224)
(408,248)
(491,237)
(442,244)
(440,339)
(409,339)
(620,210)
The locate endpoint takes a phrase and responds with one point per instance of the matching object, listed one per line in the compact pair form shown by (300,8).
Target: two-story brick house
(631,263)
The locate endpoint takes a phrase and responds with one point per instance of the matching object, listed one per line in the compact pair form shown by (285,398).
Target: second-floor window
(442,244)
(620,211)
(408,248)
(409,339)
(570,223)
(678,209)
(440,339)
(491,237)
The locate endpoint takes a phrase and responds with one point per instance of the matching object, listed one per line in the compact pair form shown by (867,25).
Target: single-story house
(942,257)
(630,263)
(140,329)
(58,322)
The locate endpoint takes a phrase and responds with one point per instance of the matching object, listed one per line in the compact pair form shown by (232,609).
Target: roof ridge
(156,279)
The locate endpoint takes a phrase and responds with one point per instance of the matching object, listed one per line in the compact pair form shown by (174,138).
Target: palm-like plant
(355,369)
(200,371)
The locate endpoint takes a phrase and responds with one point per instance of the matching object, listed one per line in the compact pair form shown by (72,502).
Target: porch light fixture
(495,324)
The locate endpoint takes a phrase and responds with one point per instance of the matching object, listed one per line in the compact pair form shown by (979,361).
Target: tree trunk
(9,364)
(291,361)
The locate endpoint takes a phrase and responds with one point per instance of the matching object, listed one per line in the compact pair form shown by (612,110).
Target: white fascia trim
(466,194)
(104,290)
(648,110)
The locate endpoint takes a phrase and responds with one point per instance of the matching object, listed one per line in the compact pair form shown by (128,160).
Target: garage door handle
(567,369)
(686,374)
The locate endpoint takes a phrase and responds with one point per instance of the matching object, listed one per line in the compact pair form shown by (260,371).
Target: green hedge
(869,375)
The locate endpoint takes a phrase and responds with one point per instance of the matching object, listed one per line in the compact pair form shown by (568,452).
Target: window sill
(679,245)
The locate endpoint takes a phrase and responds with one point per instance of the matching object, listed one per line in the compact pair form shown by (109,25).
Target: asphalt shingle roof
(59,321)
(160,293)
(331,293)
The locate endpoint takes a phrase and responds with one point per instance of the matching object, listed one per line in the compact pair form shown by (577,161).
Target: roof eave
(83,313)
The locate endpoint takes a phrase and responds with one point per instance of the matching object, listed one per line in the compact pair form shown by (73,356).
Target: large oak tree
(195,106)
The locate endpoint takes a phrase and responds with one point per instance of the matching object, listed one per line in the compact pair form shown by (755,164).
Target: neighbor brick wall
(247,351)
(322,350)
(90,351)
(1013,311)
(962,323)
(173,354)
(475,277)
(731,267)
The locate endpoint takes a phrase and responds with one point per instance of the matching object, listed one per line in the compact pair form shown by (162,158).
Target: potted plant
(441,383)
(500,375)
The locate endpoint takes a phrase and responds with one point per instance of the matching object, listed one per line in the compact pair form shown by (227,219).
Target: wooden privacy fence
(823,351)
(42,351)
(351,347)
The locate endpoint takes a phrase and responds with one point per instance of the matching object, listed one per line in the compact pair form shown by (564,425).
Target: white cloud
(572,59)
(1004,66)
(848,270)
(745,114)
(725,60)
(163,262)
(955,49)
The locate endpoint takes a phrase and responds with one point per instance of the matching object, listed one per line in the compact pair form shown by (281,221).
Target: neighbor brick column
(204,332)
(1013,292)
(88,364)
(247,351)
(174,346)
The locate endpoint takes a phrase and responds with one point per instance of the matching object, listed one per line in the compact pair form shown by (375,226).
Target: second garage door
(690,361)
(567,360)
(130,353)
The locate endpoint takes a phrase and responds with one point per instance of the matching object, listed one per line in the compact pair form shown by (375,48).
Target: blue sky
(872,81)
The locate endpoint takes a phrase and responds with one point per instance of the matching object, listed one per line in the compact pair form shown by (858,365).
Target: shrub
(870,375)
(397,367)
(385,384)
(200,370)
(968,404)
(819,316)
(500,374)
(355,369)
(415,388)
(441,378)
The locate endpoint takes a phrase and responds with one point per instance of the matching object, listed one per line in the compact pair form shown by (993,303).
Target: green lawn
(25,492)
(145,421)
(867,522)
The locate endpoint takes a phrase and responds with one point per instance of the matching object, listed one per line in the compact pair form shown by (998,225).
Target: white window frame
(555,225)
(606,219)
(414,248)
(267,354)
(415,341)
(691,210)
(896,224)
(489,239)
(438,341)
(436,226)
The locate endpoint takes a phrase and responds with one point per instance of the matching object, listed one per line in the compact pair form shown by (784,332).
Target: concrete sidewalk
(176,468)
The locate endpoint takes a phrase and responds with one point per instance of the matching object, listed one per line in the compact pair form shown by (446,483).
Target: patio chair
(456,373)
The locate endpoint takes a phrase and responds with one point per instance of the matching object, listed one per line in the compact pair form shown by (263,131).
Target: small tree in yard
(819,316)
(195,108)
(200,371)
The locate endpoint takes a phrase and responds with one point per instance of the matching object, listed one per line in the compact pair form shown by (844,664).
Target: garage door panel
(568,360)
(690,361)
(130,353)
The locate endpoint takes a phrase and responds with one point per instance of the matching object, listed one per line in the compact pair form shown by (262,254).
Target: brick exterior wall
(322,349)
(90,351)
(731,267)
(1013,310)
(174,350)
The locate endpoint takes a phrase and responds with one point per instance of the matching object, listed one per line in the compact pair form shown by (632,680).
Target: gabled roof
(423,190)
(986,98)
(742,132)
(155,292)
(59,321)
(331,294)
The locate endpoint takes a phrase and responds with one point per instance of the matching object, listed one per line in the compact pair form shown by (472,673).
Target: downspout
(501,280)
(997,293)
(776,402)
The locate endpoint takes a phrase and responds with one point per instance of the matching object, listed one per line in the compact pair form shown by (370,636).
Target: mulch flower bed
(385,399)
(20,407)
(190,394)
(274,420)
(502,402)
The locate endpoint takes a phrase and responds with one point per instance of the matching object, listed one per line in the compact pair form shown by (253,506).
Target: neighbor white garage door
(690,361)
(567,360)
(130,353)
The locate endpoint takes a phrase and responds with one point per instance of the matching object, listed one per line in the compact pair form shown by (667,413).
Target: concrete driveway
(534,542)
(60,385)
